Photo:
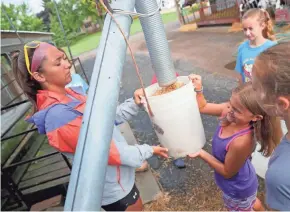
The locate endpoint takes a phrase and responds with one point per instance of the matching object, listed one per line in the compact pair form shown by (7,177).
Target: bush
(195,7)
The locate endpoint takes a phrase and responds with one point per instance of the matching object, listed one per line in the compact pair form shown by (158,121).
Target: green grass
(169,17)
(85,44)
(90,42)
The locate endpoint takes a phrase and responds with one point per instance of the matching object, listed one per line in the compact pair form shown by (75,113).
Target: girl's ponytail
(268,31)
(268,133)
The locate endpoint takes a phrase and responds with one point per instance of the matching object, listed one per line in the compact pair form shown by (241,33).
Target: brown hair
(272,69)
(29,85)
(263,17)
(267,131)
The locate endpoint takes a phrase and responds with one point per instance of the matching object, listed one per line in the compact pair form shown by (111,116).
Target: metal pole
(157,43)
(12,25)
(91,157)
(64,34)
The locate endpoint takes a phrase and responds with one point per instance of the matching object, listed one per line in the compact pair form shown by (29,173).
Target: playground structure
(228,12)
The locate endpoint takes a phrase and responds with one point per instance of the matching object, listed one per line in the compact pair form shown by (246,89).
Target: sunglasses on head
(30,45)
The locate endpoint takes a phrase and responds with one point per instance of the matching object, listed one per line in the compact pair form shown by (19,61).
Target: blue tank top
(245,183)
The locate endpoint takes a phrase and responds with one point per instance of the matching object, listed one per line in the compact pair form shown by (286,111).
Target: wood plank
(20,170)
(45,162)
(45,146)
(23,143)
(46,151)
(44,170)
(9,119)
(217,21)
(38,180)
(47,185)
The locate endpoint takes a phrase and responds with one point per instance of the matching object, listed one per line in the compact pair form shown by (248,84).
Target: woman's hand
(161,151)
(196,81)
(138,95)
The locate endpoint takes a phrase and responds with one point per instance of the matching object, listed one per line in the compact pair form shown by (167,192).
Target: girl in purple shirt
(233,142)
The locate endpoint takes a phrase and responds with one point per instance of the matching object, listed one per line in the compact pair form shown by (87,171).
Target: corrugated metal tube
(157,43)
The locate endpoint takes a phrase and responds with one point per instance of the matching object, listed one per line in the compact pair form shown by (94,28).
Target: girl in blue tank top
(258,30)
(241,119)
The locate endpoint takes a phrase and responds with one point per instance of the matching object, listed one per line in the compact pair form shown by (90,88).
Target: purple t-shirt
(245,183)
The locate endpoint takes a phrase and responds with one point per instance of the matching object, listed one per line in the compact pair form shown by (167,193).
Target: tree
(72,14)
(45,14)
(21,17)
(58,36)
(11,12)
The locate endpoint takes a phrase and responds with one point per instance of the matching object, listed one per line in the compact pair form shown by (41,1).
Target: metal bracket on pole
(91,157)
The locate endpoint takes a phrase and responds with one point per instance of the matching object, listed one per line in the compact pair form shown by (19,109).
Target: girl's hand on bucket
(161,151)
(138,96)
(196,81)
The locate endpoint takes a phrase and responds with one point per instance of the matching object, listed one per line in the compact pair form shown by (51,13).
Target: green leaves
(21,17)
(73,13)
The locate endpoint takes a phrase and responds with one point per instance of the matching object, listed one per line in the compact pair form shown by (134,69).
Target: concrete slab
(127,133)
(188,27)
(145,181)
(148,186)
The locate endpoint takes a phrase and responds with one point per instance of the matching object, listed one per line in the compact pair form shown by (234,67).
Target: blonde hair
(263,17)
(267,131)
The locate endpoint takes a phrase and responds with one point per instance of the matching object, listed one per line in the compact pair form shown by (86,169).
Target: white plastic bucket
(177,119)
(259,161)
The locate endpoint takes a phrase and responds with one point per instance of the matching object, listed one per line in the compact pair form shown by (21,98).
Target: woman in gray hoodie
(43,71)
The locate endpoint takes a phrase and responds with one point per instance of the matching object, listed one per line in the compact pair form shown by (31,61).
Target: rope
(132,55)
